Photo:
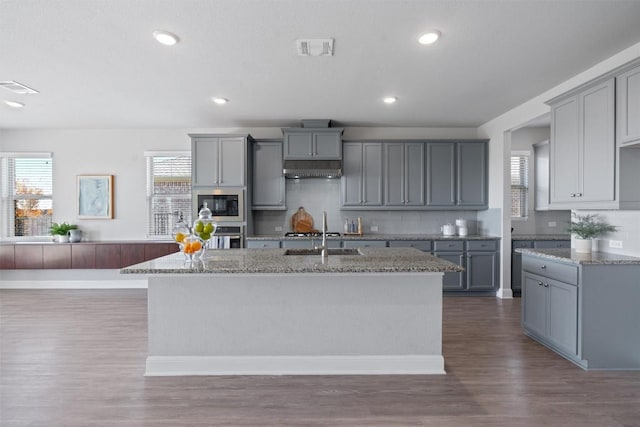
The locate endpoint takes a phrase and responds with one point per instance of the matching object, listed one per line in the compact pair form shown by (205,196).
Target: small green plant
(588,226)
(61,229)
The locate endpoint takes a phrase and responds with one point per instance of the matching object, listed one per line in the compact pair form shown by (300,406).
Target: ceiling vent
(315,47)
(16,87)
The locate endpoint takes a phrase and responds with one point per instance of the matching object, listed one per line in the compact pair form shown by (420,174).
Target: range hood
(312,168)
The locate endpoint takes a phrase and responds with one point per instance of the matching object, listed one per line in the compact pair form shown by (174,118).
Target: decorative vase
(74,235)
(582,246)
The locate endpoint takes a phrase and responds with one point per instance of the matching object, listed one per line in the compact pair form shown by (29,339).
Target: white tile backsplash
(628,223)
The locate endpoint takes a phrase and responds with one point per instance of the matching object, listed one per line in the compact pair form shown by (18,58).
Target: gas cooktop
(311,234)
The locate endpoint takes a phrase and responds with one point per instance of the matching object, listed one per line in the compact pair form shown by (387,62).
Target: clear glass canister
(204,227)
(180,230)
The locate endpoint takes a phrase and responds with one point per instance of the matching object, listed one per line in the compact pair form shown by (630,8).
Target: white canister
(448,230)
(462,231)
(461,222)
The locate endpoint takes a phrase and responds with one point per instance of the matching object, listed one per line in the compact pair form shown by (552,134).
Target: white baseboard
(294,365)
(505,293)
(73,284)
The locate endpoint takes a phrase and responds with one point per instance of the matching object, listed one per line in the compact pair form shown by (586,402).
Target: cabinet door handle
(578,194)
(543,266)
(546,285)
(540,283)
(573,194)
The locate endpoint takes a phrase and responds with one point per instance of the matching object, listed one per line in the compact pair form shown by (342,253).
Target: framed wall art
(95,196)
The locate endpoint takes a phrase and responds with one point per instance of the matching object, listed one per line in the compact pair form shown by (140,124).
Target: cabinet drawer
(423,245)
(545,244)
(516,244)
(482,245)
(442,245)
(554,270)
(263,244)
(364,244)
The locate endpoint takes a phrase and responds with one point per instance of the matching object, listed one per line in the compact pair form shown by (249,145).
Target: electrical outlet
(374,228)
(278,228)
(615,244)
(552,224)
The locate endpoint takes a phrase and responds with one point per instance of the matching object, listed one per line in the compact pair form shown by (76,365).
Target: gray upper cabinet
(218,160)
(472,174)
(583,148)
(541,173)
(628,107)
(268,191)
(362,174)
(457,175)
(309,143)
(404,174)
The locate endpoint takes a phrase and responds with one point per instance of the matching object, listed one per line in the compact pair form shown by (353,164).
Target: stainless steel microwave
(226,204)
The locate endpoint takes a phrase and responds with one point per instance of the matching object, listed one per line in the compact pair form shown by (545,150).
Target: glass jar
(181,230)
(204,227)
(192,247)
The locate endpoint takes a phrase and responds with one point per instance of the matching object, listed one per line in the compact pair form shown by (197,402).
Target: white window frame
(526,186)
(170,220)
(8,196)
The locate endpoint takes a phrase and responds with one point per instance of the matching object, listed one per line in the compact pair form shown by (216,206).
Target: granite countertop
(372,260)
(541,237)
(381,237)
(567,255)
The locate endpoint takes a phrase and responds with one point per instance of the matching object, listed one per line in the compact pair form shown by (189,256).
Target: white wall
(120,152)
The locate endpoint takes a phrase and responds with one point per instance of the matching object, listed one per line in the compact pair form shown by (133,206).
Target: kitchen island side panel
(610,316)
(304,316)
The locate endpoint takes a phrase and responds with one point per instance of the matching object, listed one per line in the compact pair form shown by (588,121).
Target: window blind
(519,186)
(168,191)
(27,194)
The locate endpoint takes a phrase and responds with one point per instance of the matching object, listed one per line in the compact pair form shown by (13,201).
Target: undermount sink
(330,251)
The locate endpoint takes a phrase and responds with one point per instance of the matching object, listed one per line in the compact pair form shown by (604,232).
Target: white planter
(582,245)
(62,239)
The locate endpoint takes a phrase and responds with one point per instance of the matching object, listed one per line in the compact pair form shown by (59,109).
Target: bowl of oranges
(192,247)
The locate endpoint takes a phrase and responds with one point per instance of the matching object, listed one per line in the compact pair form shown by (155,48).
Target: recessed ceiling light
(14,104)
(220,101)
(389,99)
(165,37)
(429,38)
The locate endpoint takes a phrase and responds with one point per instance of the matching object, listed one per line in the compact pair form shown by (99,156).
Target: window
(168,190)
(519,185)
(26,194)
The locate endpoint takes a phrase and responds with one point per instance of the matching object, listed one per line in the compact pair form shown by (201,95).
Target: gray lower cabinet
(628,107)
(404,174)
(362,174)
(254,244)
(586,312)
(550,311)
(516,258)
(480,258)
(268,191)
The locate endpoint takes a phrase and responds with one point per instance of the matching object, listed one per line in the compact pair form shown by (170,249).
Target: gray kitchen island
(274,312)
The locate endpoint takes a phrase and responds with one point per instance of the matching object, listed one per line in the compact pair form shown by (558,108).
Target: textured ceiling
(97,66)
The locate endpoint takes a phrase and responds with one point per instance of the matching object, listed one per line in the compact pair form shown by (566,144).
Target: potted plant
(585,228)
(61,231)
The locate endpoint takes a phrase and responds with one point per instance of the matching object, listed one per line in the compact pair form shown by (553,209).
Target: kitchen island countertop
(379,237)
(249,261)
(570,256)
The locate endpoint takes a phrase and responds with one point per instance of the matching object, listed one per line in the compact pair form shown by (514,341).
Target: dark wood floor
(76,358)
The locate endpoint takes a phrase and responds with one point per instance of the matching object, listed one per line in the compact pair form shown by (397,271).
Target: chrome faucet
(323,248)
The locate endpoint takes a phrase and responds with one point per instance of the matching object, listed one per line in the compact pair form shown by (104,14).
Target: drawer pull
(543,266)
